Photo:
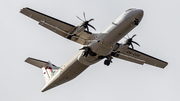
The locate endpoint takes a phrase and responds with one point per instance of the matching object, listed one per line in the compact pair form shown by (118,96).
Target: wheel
(107,62)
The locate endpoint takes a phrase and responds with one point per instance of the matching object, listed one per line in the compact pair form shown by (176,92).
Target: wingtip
(26,59)
(25,8)
(165,65)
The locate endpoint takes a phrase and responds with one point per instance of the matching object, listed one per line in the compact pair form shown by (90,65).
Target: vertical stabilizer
(47,67)
(49,71)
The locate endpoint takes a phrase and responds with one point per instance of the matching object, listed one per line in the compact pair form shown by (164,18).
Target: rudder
(49,71)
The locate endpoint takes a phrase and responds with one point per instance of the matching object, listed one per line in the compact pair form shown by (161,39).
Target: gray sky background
(21,37)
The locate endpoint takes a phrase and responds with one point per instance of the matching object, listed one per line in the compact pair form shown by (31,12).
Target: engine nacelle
(120,47)
(78,30)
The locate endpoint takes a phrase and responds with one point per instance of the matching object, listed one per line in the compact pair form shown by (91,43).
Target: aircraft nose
(140,12)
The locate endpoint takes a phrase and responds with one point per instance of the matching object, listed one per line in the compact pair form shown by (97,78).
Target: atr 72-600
(95,46)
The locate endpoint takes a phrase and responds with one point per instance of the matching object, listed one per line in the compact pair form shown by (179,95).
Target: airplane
(95,47)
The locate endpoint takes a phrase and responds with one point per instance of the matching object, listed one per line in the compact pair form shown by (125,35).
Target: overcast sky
(21,37)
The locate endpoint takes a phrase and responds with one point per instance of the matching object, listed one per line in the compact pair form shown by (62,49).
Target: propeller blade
(92,27)
(133,35)
(90,20)
(80,18)
(130,41)
(84,16)
(135,43)
(86,23)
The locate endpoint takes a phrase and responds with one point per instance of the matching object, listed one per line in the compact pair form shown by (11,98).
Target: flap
(129,58)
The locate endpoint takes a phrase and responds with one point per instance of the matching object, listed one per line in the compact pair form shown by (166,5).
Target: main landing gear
(88,51)
(108,60)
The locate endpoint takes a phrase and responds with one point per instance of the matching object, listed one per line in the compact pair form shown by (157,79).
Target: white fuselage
(116,31)
(103,45)
(107,39)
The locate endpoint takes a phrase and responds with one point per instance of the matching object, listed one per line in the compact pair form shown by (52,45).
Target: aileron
(144,57)
(38,16)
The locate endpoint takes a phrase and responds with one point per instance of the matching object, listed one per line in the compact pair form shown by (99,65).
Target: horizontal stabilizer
(36,62)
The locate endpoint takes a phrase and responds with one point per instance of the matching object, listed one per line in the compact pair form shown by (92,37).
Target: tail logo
(52,72)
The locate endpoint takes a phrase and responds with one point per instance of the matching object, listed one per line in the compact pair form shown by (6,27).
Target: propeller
(130,41)
(86,23)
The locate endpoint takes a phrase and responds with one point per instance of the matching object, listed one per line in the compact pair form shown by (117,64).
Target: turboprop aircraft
(95,47)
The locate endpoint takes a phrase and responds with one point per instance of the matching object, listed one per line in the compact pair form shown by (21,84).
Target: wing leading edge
(60,27)
(140,58)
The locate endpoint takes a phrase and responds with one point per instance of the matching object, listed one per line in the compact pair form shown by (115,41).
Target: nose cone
(140,12)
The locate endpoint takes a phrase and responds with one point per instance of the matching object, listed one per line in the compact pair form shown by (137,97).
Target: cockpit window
(131,9)
(128,10)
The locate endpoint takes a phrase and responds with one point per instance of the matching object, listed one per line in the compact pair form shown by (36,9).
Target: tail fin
(49,71)
(47,67)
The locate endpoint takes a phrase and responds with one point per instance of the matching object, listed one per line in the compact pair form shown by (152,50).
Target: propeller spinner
(86,23)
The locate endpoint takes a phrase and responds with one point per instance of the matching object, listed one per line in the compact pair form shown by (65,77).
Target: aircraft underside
(96,47)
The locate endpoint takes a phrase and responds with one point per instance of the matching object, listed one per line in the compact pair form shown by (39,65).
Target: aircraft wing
(140,58)
(61,28)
